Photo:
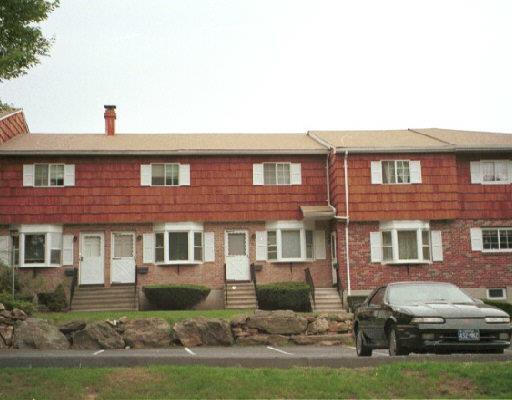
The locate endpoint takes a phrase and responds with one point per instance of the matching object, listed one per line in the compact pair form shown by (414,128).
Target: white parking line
(279,351)
(190,351)
(98,352)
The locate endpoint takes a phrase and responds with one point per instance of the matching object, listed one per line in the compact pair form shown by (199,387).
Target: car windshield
(426,293)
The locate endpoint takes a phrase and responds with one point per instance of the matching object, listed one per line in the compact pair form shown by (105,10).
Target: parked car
(423,317)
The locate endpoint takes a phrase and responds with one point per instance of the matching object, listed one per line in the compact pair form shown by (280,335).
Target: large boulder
(319,325)
(146,332)
(6,333)
(35,333)
(203,331)
(72,326)
(283,322)
(97,335)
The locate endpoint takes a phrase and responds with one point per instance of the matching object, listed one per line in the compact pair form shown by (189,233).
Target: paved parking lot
(254,356)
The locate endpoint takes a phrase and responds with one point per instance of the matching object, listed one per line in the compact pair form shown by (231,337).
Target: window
(276,173)
(179,243)
(290,244)
(394,172)
(165,174)
(404,242)
(378,298)
(159,247)
(178,246)
(387,246)
(272,245)
(55,248)
(497,239)
(35,249)
(497,294)
(198,246)
(309,244)
(494,171)
(15,250)
(37,246)
(49,175)
(123,245)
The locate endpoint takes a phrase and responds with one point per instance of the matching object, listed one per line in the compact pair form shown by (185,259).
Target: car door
(363,314)
(375,316)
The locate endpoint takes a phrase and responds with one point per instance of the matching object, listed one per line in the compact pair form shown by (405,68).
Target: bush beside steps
(175,297)
(284,296)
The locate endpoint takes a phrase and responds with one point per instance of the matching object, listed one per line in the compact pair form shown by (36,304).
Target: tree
(21,41)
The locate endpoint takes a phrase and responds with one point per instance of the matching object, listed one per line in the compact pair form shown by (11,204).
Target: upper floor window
(165,174)
(277,173)
(497,239)
(48,175)
(393,172)
(487,172)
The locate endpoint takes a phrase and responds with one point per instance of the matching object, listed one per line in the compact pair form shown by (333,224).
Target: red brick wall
(107,190)
(12,125)
(461,265)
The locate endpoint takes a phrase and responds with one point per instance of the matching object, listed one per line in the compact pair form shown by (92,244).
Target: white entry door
(237,256)
(122,268)
(91,259)
(334,258)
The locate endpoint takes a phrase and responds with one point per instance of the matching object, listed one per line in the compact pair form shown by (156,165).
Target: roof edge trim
(160,152)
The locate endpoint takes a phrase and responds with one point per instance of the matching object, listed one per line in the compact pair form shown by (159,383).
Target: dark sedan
(425,317)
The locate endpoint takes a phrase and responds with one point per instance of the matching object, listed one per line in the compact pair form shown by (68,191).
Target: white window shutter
(295,174)
(148,251)
(437,245)
(257,174)
(184,177)
(67,250)
(145,175)
(69,175)
(5,250)
(376,246)
(261,246)
(476,239)
(476,177)
(376,170)
(209,247)
(415,171)
(319,241)
(28,175)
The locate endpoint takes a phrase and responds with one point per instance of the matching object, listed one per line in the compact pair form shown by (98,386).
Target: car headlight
(497,320)
(427,320)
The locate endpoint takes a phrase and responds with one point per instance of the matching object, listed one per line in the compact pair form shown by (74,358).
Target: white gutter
(345,166)
(445,149)
(8,152)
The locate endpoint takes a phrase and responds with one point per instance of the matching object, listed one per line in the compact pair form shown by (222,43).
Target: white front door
(237,256)
(122,268)
(334,258)
(91,259)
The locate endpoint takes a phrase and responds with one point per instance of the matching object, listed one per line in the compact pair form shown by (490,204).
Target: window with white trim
(497,294)
(48,175)
(497,239)
(290,245)
(395,172)
(494,171)
(37,246)
(165,174)
(276,173)
(179,244)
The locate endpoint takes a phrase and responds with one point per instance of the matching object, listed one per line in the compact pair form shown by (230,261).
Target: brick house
(126,210)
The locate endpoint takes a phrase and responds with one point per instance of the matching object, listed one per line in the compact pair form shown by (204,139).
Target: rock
(278,340)
(3,345)
(329,343)
(319,325)
(344,316)
(6,321)
(203,331)
(239,332)
(316,339)
(6,333)
(2,307)
(302,339)
(97,335)
(35,333)
(339,327)
(238,321)
(111,322)
(262,339)
(123,320)
(280,322)
(72,326)
(5,314)
(16,313)
(147,332)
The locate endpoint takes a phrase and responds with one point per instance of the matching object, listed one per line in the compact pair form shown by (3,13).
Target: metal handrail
(74,282)
(225,286)
(309,281)
(253,275)
(339,285)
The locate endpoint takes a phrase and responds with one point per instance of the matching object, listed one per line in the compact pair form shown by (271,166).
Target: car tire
(361,348)
(395,347)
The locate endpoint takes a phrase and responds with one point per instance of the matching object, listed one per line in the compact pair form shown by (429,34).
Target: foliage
(507,307)
(6,279)
(355,301)
(175,297)
(9,303)
(6,106)
(22,42)
(56,300)
(284,296)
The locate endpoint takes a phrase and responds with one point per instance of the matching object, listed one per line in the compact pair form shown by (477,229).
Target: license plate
(469,335)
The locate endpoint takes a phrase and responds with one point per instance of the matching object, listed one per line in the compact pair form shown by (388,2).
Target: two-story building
(223,210)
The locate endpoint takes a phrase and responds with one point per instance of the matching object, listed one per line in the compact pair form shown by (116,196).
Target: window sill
(414,262)
(291,260)
(175,263)
(40,266)
(496,251)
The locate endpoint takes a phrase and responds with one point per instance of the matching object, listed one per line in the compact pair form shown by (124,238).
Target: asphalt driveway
(254,356)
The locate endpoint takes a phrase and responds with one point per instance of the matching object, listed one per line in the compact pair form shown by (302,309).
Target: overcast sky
(272,66)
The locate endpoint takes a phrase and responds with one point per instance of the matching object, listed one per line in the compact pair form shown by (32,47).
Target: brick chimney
(110,120)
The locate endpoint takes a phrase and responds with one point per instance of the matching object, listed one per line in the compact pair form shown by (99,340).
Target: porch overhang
(318,212)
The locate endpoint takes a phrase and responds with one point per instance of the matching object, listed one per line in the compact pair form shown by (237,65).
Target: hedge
(284,296)
(56,300)
(9,303)
(175,297)
(507,307)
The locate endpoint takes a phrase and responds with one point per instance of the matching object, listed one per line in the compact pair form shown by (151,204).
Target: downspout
(345,166)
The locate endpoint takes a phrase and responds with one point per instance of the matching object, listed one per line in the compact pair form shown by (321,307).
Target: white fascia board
(411,224)
(40,228)
(178,226)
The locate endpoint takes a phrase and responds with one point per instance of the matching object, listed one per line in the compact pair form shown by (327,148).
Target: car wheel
(395,347)
(361,348)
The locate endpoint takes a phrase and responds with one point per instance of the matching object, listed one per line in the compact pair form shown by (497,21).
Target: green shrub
(56,300)
(284,296)
(355,301)
(507,307)
(6,279)
(175,297)
(9,303)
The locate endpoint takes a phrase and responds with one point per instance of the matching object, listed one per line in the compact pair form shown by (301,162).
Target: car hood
(448,310)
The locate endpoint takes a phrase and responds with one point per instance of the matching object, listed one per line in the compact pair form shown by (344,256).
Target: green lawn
(399,380)
(171,316)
